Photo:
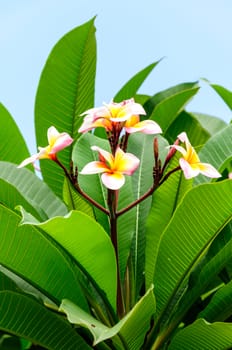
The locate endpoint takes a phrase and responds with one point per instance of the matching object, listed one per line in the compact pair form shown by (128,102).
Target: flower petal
(189,171)
(208,170)
(125,163)
(29,160)
(62,141)
(108,157)
(113,181)
(146,127)
(94,167)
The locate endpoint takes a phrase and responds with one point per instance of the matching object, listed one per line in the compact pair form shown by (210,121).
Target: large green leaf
(131,87)
(164,203)
(197,221)
(210,123)
(86,241)
(217,151)
(24,316)
(202,335)
(201,277)
(22,187)
(225,94)
(165,106)
(187,122)
(66,89)
(75,201)
(13,147)
(29,254)
(220,306)
(143,147)
(93,186)
(131,329)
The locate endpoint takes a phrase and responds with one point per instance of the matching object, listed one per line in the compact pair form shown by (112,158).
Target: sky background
(194,36)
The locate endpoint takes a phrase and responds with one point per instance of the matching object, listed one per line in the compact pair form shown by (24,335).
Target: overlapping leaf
(66,89)
(28,253)
(11,139)
(196,222)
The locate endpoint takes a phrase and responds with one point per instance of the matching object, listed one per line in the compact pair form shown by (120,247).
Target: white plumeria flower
(112,168)
(56,142)
(190,162)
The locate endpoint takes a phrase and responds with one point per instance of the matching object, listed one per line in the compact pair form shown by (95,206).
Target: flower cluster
(120,120)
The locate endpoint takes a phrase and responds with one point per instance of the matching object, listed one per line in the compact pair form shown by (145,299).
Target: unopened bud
(172,151)
(156,149)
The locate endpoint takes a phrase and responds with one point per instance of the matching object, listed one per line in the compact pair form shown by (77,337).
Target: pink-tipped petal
(63,141)
(183,137)
(94,167)
(146,127)
(126,163)
(189,172)
(180,149)
(113,181)
(52,135)
(29,160)
(208,170)
(106,155)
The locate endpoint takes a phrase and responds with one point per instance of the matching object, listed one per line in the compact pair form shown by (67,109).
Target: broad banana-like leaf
(13,147)
(165,106)
(66,89)
(131,87)
(203,274)
(217,151)
(164,202)
(24,316)
(131,329)
(28,253)
(202,335)
(220,306)
(82,154)
(75,201)
(210,123)
(22,187)
(187,122)
(201,215)
(143,147)
(224,93)
(89,246)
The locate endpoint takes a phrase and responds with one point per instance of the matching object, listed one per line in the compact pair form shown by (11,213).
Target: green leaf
(31,255)
(93,186)
(164,203)
(220,306)
(224,93)
(131,87)
(210,123)
(22,187)
(188,123)
(11,139)
(217,151)
(202,335)
(25,317)
(132,328)
(201,215)
(90,247)
(142,146)
(165,106)
(75,201)
(66,89)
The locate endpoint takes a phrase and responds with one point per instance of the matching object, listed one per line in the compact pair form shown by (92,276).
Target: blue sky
(194,37)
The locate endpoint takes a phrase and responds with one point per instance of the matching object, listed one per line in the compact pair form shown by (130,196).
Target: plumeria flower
(112,168)
(110,113)
(190,162)
(133,125)
(56,142)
